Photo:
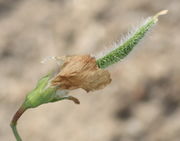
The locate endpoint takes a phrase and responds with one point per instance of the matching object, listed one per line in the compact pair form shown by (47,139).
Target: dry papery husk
(81,72)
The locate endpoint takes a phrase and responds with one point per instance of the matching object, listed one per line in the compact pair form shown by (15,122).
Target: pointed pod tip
(163,12)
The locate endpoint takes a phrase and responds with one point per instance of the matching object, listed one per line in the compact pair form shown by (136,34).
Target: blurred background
(141,103)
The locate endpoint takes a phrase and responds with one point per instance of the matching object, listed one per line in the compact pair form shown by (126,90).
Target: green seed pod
(125,48)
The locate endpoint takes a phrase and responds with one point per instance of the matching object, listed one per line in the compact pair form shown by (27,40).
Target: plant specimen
(80,71)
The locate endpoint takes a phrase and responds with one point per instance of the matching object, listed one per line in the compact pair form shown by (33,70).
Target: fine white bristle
(45,60)
(123,39)
(58,60)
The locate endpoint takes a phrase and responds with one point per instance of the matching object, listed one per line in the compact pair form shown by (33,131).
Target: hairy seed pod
(125,48)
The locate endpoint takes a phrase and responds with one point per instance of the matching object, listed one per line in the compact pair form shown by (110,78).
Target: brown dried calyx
(81,72)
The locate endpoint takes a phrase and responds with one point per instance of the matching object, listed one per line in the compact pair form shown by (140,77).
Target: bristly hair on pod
(122,39)
(127,43)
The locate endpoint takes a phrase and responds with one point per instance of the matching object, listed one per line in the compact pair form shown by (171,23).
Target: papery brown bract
(81,72)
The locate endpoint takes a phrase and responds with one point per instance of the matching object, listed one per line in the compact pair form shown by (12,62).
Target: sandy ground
(141,103)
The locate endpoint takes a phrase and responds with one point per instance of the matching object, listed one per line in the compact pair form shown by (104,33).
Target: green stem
(14,129)
(14,122)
